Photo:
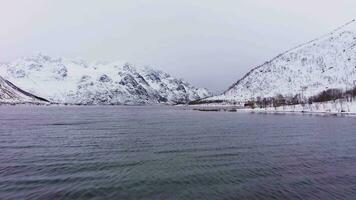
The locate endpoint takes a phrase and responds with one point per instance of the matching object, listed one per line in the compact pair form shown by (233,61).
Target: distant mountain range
(60,80)
(328,62)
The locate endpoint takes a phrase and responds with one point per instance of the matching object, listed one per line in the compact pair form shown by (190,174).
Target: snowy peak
(78,82)
(308,69)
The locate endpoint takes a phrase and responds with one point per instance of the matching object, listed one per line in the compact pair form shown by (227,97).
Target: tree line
(280,100)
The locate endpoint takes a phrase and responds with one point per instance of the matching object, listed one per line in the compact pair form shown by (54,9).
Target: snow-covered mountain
(9,93)
(78,82)
(325,63)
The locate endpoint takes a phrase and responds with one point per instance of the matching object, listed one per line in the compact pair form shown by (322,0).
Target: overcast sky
(210,43)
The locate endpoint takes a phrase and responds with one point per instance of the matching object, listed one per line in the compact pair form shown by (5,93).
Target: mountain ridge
(63,80)
(335,49)
(11,94)
(289,50)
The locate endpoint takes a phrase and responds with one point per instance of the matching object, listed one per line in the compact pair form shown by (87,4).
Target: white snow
(324,63)
(78,82)
(10,94)
(333,107)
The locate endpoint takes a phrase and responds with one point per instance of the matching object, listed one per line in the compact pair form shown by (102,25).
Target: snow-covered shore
(338,107)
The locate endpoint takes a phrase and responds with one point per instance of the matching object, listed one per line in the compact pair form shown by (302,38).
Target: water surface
(172,153)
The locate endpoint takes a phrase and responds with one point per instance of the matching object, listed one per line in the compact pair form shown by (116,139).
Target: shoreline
(320,113)
(214,108)
(270,111)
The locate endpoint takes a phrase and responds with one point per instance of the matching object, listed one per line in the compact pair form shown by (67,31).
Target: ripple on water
(170,153)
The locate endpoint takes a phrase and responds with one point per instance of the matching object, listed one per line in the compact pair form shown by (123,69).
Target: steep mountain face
(324,63)
(77,82)
(9,93)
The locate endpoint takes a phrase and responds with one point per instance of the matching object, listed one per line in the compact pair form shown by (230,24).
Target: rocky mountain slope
(78,82)
(325,63)
(11,94)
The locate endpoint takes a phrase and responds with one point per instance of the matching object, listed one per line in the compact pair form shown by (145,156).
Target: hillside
(328,62)
(11,94)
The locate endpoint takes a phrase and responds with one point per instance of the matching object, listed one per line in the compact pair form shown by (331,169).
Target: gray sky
(208,43)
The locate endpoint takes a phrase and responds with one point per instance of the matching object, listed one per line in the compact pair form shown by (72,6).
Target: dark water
(170,153)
